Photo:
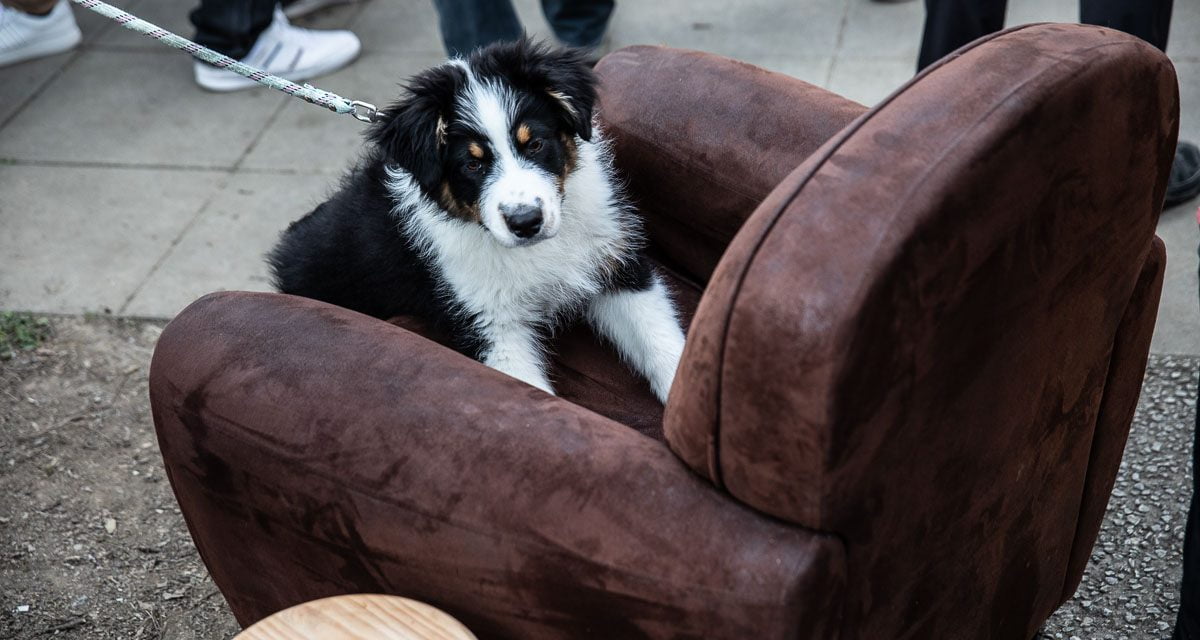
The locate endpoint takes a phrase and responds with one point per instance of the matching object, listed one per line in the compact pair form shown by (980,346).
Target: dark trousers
(949,24)
(1187,625)
(231,26)
(470,24)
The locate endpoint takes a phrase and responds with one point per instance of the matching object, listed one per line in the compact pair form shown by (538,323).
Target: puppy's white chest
(534,283)
(530,283)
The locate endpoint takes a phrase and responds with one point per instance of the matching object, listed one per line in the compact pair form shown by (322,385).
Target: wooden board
(358,617)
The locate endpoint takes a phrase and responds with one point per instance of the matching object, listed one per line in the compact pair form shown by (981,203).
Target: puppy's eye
(535,145)
(474,165)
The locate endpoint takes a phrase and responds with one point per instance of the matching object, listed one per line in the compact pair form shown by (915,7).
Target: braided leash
(362,111)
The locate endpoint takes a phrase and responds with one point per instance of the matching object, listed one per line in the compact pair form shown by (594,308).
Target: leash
(361,111)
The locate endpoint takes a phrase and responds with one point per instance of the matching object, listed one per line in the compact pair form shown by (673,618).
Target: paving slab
(1178,327)
(534,19)
(78,239)
(869,80)
(225,248)
(399,27)
(171,15)
(811,69)
(135,107)
(20,82)
(883,30)
(1184,41)
(1188,71)
(93,25)
(754,28)
(1029,11)
(306,138)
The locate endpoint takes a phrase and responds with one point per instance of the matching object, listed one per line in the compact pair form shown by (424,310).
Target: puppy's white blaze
(643,327)
(491,108)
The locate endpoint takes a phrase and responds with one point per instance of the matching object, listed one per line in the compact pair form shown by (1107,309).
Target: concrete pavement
(126,189)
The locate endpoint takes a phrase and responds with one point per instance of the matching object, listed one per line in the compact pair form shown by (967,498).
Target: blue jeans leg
(579,23)
(469,24)
(231,26)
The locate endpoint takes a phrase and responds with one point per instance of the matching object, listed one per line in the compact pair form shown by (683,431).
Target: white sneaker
(24,36)
(286,51)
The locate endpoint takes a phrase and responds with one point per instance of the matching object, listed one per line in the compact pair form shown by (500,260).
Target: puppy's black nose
(524,220)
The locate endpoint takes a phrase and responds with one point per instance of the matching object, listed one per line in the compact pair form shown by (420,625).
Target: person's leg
(34,7)
(578,23)
(231,26)
(949,24)
(1149,20)
(469,24)
(1187,623)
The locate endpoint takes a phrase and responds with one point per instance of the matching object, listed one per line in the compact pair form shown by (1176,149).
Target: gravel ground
(93,546)
(91,542)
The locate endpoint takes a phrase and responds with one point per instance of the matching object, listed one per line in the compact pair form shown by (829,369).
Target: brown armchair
(905,394)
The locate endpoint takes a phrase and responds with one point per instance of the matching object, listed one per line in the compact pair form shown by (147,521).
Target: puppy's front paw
(665,364)
(542,384)
(525,372)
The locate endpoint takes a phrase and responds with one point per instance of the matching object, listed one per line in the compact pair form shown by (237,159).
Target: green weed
(22,331)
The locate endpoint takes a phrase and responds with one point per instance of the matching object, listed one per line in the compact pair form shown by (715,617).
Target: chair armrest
(315,451)
(703,139)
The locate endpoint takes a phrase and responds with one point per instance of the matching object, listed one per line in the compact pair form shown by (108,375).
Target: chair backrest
(929,338)
(697,168)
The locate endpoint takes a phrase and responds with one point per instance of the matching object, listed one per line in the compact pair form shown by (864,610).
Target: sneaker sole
(230,81)
(43,47)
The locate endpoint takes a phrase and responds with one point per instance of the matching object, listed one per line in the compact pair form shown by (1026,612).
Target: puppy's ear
(413,133)
(562,75)
(571,83)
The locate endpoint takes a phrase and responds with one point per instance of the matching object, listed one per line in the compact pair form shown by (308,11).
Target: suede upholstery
(917,336)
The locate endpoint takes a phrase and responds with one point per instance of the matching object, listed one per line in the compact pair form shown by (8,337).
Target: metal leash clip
(365,111)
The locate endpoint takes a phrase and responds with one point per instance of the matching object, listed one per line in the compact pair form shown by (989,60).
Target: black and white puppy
(488,206)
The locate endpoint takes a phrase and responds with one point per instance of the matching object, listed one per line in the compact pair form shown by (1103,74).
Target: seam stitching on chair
(1108,383)
(240,432)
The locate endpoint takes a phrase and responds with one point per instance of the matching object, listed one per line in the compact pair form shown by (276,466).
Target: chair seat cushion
(587,371)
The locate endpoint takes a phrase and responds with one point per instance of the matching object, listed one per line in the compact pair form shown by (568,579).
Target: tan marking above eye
(524,134)
(475,150)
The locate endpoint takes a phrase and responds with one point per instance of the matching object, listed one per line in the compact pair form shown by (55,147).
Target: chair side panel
(911,352)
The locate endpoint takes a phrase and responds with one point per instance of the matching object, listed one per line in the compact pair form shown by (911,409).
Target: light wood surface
(358,617)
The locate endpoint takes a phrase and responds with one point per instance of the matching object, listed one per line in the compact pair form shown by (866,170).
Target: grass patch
(22,331)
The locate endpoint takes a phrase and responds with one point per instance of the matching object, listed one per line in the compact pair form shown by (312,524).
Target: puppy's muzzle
(524,220)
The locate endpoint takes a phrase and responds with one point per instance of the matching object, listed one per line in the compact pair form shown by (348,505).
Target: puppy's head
(493,139)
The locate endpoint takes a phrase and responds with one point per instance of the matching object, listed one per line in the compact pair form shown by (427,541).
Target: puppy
(487,206)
